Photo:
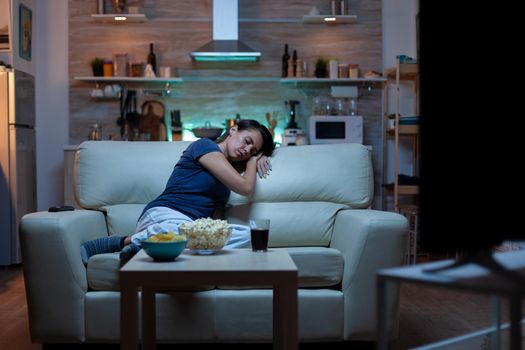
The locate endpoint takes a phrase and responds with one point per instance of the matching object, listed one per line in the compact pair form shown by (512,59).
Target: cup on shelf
(165,71)
(120,62)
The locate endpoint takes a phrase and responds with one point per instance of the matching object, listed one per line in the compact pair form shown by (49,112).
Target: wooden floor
(426,315)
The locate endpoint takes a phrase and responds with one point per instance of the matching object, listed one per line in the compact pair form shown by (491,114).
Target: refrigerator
(17,159)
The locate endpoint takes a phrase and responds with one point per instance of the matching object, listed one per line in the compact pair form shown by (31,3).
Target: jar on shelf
(342,71)
(353,70)
(107,68)
(121,65)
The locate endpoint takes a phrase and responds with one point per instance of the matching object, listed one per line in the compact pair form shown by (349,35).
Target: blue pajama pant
(162,219)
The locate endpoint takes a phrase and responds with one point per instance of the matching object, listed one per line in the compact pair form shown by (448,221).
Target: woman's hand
(264,166)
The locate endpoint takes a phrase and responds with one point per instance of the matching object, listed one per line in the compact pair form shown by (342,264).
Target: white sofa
(317,197)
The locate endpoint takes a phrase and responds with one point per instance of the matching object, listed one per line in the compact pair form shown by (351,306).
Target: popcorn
(206,233)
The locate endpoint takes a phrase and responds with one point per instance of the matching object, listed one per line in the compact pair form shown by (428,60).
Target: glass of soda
(259,231)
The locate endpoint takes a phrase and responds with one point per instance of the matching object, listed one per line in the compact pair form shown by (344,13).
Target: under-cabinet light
(330,19)
(120,18)
(224,58)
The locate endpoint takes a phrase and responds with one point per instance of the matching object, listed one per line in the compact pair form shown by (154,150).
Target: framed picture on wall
(25,32)
(5,26)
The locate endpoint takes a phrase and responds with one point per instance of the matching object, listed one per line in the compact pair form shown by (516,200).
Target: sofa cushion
(338,173)
(119,172)
(317,267)
(293,224)
(122,219)
(103,274)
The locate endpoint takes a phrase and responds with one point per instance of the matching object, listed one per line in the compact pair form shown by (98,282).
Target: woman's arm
(217,164)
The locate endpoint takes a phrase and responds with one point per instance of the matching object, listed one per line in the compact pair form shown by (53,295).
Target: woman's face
(241,145)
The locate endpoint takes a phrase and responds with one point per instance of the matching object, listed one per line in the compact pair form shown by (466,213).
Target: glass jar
(121,65)
(353,71)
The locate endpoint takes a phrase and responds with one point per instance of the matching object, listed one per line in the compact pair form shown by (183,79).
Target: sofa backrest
(306,183)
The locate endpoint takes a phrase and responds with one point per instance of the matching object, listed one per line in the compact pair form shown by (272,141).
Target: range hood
(225,45)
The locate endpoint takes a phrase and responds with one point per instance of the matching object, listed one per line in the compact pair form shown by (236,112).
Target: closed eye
(248,140)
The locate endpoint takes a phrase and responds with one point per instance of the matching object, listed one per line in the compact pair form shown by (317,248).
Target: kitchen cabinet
(403,72)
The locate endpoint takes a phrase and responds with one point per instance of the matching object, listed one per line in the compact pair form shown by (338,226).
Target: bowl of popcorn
(206,236)
(164,246)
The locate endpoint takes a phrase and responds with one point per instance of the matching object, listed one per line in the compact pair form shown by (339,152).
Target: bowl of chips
(164,246)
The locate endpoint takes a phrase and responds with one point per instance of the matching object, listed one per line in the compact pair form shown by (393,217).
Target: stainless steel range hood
(225,45)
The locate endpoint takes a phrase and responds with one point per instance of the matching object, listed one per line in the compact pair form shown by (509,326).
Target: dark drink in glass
(259,240)
(259,230)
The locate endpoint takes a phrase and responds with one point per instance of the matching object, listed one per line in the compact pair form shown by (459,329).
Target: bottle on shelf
(286,57)
(333,7)
(294,61)
(176,126)
(152,58)
(290,68)
(343,7)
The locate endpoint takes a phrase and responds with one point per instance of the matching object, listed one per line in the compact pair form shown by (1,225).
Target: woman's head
(246,139)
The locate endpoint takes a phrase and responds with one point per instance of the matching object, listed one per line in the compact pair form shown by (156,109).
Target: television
(472,145)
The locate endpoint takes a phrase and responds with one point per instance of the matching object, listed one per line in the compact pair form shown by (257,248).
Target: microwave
(336,129)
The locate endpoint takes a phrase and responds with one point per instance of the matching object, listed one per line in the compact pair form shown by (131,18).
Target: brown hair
(249,124)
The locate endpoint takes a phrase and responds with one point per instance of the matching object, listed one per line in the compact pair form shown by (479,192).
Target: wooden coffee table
(238,267)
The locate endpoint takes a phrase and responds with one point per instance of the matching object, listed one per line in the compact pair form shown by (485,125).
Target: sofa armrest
(54,275)
(369,240)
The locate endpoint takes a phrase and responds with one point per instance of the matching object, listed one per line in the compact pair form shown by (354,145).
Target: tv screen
(472,192)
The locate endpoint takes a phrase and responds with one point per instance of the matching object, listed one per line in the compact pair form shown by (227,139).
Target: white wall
(52,107)
(399,38)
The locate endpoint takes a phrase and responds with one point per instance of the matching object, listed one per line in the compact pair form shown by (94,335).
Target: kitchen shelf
(332,81)
(407,71)
(404,190)
(401,72)
(408,190)
(329,19)
(117,80)
(228,79)
(405,130)
(119,17)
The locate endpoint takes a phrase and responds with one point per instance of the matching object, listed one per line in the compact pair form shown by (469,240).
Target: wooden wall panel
(179,27)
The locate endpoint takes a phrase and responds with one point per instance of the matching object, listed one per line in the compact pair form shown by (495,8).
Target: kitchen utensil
(152,120)
(207,131)
(95,134)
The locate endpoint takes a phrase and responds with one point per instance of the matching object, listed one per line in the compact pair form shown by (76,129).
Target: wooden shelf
(407,71)
(408,189)
(119,17)
(329,19)
(405,130)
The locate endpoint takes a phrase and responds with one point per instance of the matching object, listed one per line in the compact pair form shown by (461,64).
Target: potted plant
(96,65)
(320,68)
